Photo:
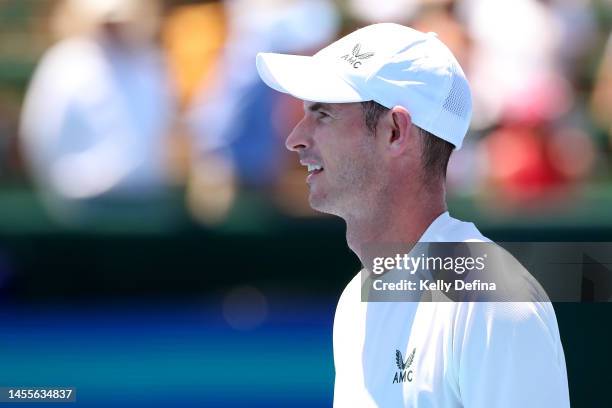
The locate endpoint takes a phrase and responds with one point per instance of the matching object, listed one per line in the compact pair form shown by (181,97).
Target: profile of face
(343,157)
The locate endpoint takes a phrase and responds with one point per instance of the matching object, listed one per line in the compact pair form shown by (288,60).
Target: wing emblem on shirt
(399,360)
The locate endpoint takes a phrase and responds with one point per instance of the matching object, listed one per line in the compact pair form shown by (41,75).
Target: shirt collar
(434,233)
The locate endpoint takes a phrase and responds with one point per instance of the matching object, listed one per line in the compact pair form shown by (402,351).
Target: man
(98,112)
(385,106)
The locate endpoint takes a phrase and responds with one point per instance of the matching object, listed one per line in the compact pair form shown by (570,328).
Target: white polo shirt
(466,354)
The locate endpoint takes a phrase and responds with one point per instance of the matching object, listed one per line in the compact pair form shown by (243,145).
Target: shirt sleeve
(509,354)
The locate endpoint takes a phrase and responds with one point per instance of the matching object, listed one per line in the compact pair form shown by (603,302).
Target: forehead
(331,107)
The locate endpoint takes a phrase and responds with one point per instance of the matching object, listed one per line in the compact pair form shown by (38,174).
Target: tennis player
(385,107)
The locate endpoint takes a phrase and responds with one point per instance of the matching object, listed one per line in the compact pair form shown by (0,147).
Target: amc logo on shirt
(404,374)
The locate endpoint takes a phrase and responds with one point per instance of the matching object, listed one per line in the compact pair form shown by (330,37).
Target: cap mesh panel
(458,100)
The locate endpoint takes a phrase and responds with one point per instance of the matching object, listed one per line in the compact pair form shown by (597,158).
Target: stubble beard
(351,193)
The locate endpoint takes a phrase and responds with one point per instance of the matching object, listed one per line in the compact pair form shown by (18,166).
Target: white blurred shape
(106,10)
(94,120)
(514,41)
(287,26)
(388,11)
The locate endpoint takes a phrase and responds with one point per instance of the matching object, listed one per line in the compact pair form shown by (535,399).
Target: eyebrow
(320,106)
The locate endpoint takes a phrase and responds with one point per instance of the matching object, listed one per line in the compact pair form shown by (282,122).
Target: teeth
(314,167)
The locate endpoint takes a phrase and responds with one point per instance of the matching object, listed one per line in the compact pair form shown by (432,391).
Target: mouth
(313,170)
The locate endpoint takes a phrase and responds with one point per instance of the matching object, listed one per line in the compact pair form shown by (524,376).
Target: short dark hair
(436,151)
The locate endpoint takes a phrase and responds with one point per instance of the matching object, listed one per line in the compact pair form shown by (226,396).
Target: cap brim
(305,78)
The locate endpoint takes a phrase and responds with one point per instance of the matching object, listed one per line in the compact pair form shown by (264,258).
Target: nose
(298,139)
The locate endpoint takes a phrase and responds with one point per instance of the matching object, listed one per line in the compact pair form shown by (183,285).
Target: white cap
(387,63)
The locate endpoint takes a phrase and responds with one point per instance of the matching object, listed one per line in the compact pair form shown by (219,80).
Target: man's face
(341,153)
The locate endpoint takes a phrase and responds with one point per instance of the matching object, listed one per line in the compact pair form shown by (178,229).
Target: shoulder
(69,64)
(509,353)
(349,321)
(501,329)
(472,315)
(350,310)
(351,294)
(71,51)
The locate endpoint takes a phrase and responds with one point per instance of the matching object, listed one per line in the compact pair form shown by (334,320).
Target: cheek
(357,166)
(347,152)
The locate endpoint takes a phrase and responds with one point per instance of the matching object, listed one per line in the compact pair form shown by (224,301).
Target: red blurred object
(520,165)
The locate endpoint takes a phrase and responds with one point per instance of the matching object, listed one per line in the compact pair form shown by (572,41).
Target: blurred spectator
(522,67)
(194,35)
(534,159)
(232,117)
(513,42)
(440,17)
(98,110)
(601,101)
(578,34)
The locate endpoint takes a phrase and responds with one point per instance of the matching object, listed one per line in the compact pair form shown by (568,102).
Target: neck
(395,221)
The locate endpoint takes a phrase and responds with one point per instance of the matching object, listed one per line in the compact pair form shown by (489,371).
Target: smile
(314,168)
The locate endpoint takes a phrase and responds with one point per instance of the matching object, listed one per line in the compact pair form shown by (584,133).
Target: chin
(321,203)
(316,204)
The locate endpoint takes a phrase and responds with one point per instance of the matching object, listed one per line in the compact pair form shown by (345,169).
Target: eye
(322,115)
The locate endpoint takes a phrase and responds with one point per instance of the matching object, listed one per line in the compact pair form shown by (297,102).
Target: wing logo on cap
(355,57)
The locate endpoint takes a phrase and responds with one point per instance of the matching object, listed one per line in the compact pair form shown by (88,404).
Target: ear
(397,131)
